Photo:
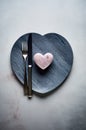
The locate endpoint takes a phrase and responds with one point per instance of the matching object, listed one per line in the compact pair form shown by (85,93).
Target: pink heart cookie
(43,61)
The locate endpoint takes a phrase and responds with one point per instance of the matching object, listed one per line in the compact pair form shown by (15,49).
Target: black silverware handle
(30,80)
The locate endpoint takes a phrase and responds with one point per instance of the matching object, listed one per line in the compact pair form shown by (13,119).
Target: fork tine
(24,47)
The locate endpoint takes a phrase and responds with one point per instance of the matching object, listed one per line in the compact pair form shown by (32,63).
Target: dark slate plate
(51,78)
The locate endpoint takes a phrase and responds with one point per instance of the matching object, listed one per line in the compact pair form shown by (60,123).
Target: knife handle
(30,80)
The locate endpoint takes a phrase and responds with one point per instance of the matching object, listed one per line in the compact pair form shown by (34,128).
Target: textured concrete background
(64,109)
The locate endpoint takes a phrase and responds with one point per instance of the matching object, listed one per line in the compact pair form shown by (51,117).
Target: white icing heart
(43,61)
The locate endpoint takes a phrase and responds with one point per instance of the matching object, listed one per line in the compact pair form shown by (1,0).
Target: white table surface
(65,108)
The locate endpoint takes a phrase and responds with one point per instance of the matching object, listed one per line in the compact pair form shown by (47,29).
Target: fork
(25,54)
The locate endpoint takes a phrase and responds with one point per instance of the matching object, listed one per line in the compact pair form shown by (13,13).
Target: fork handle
(25,81)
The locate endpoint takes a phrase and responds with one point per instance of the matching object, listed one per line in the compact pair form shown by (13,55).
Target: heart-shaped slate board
(44,81)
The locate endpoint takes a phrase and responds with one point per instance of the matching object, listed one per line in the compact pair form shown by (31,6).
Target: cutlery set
(27,53)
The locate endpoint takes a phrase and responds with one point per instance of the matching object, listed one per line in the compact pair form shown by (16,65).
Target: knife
(29,82)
